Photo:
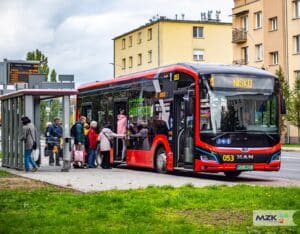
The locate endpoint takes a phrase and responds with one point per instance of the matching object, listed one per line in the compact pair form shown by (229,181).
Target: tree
(294,117)
(287,95)
(54,105)
(37,55)
(53,76)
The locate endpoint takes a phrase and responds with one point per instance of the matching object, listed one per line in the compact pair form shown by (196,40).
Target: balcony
(240,62)
(239,35)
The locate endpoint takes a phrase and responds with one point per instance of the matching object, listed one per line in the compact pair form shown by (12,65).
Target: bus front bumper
(212,166)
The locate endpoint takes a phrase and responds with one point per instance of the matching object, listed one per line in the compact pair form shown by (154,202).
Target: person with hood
(122,130)
(29,138)
(106,136)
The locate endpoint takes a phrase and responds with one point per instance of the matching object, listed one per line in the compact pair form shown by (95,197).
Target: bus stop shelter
(26,102)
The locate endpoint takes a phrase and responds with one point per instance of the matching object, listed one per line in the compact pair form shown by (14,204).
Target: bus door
(86,110)
(183,140)
(118,105)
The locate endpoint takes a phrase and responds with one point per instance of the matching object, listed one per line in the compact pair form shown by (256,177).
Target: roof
(39,92)
(22,61)
(212,68)
(196,68)
(172,21)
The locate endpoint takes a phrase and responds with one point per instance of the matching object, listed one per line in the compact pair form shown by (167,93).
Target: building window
(297,8)
(197,32)
(139,59)
(258,19)
(123,63)
(130,41)
(259,52)
(244,55)
(273,24)
(245,23)
(139,41)
(150,56)
(123,43)
(149,34)
(274,58)
(297,44)
(130,62)
(198,55)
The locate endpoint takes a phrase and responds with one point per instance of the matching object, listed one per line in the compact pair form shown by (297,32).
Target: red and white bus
(200,117)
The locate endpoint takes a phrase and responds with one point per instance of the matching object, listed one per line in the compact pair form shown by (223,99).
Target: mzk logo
(273,217)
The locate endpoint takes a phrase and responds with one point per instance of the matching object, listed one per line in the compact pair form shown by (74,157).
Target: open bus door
(183,134)
(118,105)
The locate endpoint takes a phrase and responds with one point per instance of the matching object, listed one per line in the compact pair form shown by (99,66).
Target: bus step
(183,169)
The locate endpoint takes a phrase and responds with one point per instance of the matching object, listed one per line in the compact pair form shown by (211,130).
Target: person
(79,138)
(29,138)
(122,130)
(142,135)
(55,136)
(106,135)
(92,139)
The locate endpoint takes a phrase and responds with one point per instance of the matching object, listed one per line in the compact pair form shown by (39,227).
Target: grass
(291,145)
(215,209)
(4,173)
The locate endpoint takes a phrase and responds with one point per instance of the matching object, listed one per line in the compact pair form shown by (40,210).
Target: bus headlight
(276,157)
(208,158)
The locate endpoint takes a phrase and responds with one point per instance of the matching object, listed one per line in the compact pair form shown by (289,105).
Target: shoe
(34,169)
(57,164)
(51,164)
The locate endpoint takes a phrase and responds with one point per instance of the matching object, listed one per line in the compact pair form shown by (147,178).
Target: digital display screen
(243,83)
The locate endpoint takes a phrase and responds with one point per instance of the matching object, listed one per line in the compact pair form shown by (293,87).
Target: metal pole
(66,134)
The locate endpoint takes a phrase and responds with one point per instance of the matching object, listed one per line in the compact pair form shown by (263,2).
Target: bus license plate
(247,167)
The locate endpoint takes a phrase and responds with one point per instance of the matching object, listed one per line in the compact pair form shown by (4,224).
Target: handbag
(78,154)
(34,145)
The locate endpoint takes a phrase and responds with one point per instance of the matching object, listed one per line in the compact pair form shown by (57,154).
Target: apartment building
(165,41)
(266,34)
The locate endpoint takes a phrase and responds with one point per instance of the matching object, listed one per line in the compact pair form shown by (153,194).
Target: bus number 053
(228,158)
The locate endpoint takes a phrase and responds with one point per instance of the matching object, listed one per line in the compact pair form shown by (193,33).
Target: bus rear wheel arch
(161,160)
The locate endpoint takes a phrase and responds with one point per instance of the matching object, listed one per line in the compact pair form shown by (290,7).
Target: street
(290,167)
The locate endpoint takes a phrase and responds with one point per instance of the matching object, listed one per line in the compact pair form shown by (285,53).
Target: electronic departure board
(19,72)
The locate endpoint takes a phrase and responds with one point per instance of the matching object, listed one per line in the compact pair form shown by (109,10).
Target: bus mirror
(282,105)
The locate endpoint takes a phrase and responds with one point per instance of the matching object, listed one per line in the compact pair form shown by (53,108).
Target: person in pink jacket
(122,130)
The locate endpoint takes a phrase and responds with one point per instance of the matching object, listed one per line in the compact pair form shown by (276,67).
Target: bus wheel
(161,160)
(232,174)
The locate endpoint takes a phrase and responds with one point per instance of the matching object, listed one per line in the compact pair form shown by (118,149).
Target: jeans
(28,160)
(92,157)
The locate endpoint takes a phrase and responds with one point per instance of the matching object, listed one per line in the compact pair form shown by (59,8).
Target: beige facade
(266,34)
(165,41)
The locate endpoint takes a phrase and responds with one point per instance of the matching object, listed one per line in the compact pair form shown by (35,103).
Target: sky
(76,36)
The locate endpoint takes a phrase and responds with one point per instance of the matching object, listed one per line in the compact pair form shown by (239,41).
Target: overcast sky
(77,35)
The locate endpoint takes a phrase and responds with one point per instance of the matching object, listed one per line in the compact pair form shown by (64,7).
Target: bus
(199,117)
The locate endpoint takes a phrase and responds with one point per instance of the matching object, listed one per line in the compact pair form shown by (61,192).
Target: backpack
(74,131)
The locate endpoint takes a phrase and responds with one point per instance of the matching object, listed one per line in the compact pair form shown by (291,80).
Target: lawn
(215,209)
(291,145)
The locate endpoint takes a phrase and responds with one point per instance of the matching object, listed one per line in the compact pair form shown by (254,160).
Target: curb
(286,149)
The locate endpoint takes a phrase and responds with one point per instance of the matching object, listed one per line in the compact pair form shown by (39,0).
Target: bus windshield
(228,111)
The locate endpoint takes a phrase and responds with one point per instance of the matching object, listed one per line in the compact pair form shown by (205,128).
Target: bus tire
(232,174)
(161,160)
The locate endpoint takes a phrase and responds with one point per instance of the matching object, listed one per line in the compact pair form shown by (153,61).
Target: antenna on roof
(182,16)
(176,16)
(209,15)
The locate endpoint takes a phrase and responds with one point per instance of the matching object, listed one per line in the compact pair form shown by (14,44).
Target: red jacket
(93,137)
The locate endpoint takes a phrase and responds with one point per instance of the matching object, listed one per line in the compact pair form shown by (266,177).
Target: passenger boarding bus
(199,117)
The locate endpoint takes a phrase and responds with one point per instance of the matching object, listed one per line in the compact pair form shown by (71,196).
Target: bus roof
(196,68)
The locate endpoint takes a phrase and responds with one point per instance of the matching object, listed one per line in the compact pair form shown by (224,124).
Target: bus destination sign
(242,83)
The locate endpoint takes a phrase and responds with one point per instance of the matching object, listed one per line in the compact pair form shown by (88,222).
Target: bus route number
(228,158)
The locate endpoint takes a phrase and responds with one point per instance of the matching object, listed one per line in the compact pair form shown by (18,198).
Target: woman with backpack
(106,137)
(29,138)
